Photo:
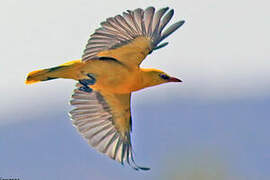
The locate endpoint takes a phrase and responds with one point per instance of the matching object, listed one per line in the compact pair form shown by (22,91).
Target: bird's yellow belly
(112,76)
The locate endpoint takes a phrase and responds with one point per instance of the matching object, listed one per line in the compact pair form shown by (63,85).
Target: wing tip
(182,22)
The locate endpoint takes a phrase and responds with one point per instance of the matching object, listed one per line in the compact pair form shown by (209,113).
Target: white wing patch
(121,29)
(93,119)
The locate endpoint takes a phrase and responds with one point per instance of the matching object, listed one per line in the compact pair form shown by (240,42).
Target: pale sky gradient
(222,53)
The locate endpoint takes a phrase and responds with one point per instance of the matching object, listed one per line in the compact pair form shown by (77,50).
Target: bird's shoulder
(131,53)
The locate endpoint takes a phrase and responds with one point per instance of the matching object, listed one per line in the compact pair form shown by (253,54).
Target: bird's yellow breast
(112,76)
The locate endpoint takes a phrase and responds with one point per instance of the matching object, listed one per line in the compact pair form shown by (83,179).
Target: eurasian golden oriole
(108,73)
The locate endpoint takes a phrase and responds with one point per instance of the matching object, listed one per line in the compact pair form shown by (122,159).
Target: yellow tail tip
(30,82)
(32,77)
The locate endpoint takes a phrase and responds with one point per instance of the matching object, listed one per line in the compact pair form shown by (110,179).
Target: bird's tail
(68,70)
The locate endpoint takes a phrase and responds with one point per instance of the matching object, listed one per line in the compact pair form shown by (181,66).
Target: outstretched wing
(130,37)
(104,120)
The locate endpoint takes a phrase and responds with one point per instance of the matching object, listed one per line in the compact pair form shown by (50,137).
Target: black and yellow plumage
(108,73)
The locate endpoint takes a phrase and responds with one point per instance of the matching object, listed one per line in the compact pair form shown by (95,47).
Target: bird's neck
(146,78)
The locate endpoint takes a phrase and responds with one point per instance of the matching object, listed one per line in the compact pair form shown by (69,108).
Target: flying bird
(108,72)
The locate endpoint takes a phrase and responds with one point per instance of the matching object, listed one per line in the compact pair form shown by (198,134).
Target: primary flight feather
(108,73)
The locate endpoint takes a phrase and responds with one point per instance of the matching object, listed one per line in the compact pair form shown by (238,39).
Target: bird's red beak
(173,79)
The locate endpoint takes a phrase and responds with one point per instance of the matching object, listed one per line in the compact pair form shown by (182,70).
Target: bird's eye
(164,76)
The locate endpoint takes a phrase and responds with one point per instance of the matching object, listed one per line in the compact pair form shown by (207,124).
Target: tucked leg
(85,89)
(87,82)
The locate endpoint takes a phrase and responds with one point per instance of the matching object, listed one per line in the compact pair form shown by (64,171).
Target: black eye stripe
(164,76)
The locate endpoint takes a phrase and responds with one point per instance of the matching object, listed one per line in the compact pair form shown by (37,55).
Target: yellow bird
(108,73)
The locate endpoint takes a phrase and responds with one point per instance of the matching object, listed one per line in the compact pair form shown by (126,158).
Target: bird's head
(152,77)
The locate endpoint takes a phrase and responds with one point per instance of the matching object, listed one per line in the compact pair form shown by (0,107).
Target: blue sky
(215,125)
(229,139)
